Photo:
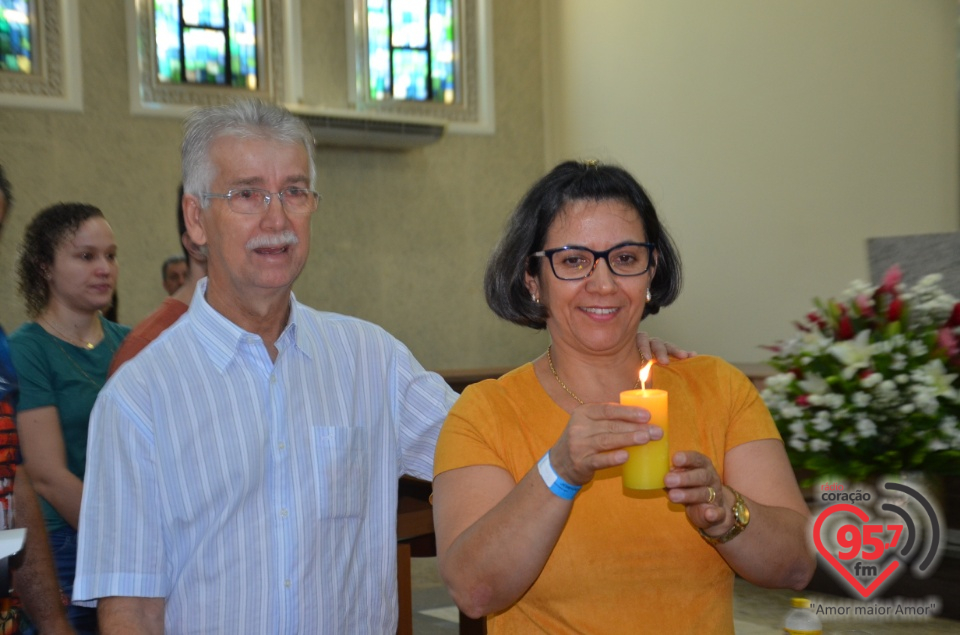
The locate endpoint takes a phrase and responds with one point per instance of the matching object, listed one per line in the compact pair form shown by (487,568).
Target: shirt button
(287,583)
(284,513)
(281,446)
(273,379)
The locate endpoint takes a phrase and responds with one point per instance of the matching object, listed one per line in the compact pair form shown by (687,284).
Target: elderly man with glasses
(242,476)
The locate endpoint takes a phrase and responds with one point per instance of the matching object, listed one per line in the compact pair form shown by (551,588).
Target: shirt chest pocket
(339,466)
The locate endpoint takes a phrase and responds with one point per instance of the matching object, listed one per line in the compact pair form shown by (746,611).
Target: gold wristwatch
(741,518)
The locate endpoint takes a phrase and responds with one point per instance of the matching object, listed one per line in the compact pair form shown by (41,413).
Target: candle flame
(645,374)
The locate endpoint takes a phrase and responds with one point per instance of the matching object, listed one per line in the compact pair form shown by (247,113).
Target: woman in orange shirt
(534,528)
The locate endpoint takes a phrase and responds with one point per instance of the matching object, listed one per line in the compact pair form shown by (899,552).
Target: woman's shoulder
(703,369)
(28,335)
(505,398)
(30,350)
(700,364)
(114,328)
(515,382)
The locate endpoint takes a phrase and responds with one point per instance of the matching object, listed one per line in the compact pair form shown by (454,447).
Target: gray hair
(246,119)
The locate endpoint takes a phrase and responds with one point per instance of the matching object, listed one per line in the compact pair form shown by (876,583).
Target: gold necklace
(113,349)
(85,344)
(553,370)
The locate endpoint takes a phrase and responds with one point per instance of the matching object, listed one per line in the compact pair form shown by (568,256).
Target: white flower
(930,280)
(848,438)
(819,445)
(814,385)
(899,361)
(871,380)
(917,348)
(925,400)
(854,354)
(949,426)
(887,388)
(860,399)
(934,374)
(799,444)
(822,426)
(833,400)
(791,411)
(780,381)
(866,428)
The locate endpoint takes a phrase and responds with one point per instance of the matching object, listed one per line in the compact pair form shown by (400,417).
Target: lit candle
(648,463)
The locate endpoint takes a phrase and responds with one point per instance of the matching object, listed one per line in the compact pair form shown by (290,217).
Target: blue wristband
(556,484)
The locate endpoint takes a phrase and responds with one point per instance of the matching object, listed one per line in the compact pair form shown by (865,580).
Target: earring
(649,297)
(535,298)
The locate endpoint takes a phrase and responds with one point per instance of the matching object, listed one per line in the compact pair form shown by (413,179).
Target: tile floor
(756,611)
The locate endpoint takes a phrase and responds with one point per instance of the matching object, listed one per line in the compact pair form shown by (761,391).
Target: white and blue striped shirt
(257,497)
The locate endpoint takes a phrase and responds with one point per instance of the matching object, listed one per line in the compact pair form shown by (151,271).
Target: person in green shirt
(67,274)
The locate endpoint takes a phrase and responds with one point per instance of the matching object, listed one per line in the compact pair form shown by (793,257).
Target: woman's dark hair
(45,233)
(5,189)
(527,227)
(7,193)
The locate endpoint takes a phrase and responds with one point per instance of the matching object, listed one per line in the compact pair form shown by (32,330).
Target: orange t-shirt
(146,331)
(625,563)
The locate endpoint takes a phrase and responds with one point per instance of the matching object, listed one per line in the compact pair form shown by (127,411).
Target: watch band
(741,518)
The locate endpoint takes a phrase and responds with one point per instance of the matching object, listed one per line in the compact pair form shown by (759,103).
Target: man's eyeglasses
(573,262)
(253,200)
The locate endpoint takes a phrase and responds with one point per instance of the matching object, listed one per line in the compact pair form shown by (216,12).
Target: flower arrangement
(870,385)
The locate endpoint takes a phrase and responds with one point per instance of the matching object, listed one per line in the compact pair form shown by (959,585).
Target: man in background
(195,264)
(175,270)
(34,580)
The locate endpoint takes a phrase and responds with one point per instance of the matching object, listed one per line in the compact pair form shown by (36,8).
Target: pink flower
(803,401)
(864,305)
(948,341)
(891,279)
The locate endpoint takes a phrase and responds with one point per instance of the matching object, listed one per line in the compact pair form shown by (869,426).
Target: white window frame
(149,96)
(55,83)
(473,114)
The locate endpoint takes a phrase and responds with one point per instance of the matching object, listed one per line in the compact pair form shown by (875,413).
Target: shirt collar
(222,338)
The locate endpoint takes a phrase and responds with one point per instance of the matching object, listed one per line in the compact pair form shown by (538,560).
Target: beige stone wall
(400,239)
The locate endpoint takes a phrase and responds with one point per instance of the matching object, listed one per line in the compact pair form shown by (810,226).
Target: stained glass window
(206,42)
(412,50)
(16,37)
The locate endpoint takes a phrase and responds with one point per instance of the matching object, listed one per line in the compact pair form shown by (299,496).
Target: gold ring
(713,494)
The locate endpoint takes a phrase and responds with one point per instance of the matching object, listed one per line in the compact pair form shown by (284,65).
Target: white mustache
(282,239)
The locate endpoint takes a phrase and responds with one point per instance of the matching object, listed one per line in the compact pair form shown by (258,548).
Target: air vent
(360,130)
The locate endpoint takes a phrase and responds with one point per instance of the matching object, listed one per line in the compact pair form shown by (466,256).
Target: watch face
(741,512)
(743,515)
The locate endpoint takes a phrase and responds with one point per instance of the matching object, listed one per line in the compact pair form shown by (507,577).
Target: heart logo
(865,591)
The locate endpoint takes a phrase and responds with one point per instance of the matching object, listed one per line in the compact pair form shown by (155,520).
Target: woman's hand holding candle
(597,436)
(689,483)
